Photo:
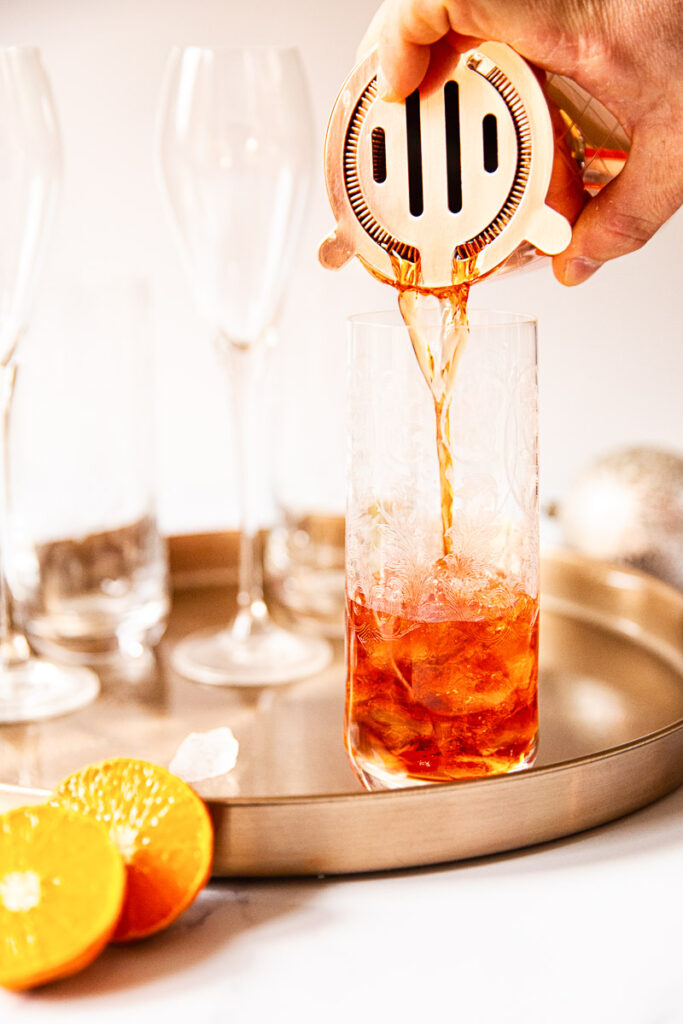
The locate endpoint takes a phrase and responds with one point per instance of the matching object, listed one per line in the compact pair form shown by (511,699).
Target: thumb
(626,213)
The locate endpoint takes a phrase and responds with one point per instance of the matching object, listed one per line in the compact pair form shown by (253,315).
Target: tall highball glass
(441,614)
(234,157)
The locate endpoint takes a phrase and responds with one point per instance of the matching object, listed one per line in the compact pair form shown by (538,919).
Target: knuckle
(631,229)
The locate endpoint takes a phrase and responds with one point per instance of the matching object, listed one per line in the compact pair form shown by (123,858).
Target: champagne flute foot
(269,656)
(34,690)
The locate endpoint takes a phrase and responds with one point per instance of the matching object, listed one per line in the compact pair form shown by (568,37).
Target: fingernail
(384,90)
(578,270)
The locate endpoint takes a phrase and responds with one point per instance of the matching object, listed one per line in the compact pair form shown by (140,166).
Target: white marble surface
(582,931)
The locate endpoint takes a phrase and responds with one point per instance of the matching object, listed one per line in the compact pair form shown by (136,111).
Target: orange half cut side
(62,884)
(162,829)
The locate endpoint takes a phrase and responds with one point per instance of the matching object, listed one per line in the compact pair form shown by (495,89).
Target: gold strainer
(457,176)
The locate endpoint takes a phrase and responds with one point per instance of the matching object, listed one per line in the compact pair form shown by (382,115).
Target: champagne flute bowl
(234,150)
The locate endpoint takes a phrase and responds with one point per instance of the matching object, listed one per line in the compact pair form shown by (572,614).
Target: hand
(627,53)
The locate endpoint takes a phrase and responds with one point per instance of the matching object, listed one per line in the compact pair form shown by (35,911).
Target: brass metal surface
(611,734)
(502,210)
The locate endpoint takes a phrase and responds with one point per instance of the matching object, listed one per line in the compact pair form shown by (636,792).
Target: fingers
(443,58)
(565,192)
(407,32)
(412,61)
(625,214)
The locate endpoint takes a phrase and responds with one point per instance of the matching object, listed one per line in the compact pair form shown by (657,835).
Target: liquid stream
(438,354)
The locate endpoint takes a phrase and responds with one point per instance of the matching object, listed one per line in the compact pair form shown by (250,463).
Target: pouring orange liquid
(444,689)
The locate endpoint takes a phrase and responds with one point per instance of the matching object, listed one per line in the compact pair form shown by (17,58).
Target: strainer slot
(414,137)
(451,99)
(490,138)
(379,155)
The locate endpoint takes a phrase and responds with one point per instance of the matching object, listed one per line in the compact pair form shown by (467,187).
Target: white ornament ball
(627,507)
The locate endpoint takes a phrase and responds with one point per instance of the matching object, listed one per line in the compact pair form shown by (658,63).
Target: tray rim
(406,791)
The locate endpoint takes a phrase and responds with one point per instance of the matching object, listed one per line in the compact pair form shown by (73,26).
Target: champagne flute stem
(12,649)
(245,366)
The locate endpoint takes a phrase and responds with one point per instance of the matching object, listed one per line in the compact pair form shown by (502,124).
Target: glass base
(32,690)
(263,656)
(374,776)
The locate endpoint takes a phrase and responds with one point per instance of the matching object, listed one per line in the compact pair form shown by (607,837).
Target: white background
(611,352)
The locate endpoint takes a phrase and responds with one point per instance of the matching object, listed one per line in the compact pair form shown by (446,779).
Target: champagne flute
(234,156)
(30,177)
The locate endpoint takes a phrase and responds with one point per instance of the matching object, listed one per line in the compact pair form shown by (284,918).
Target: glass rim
(391,319)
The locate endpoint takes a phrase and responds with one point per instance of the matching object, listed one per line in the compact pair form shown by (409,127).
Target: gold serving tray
(611,734)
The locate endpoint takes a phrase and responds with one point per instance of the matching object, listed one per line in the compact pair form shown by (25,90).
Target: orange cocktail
(445,689)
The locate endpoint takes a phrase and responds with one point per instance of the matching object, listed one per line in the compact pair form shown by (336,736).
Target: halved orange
(162,830)
(62,884)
